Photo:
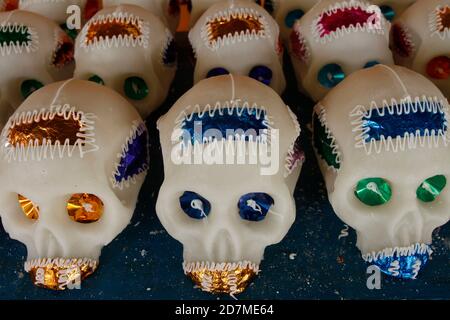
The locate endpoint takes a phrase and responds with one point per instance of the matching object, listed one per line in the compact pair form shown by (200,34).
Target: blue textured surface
(144,262)
(397,125)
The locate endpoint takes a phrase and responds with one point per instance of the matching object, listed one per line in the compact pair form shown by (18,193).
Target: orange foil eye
(85,208)
(30,210)
(439,68)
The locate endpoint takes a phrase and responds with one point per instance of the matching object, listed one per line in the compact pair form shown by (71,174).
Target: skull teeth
(418,248)
(28,43)
(60,263)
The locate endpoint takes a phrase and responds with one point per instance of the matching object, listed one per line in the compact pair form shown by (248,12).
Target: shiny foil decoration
(64,53)
(60,274)
(30,210)
(255,206)
(444,18)
(53,129)
(323,144)
(234,25)
(194,205)
(401,43)
(298,45)
(112,27)
(226,280)
(439,68)
(344,18)
(19,35)
(91,8)
(431,188)
(85,208)
(373,191)
(9,5)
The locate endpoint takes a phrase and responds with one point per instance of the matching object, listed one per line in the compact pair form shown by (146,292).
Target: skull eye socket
(371,64)
(262,74)
(194,205)
(29,86)
(29,209)
(439,68)
(373,191)
(85,208)
(293,16)
(135,88)
(388,12)
(217,72)
(330,75)
(95,78)
(431,188)
(255,206)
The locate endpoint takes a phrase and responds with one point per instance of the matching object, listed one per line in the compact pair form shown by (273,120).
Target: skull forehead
(373,89)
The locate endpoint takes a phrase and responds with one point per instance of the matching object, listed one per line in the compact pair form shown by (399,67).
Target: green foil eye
(95,78)
(373,191)
(135,88)
(29,86)
(431,188)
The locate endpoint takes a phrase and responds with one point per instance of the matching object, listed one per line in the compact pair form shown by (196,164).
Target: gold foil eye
(53,129)
(222,27)
(113,27)
(85,208)
(30,210)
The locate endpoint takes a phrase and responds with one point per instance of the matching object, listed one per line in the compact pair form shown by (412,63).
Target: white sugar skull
(392,9)
(238,37)
(382,141)
(34,51)
(198,7)
(286,12)
(420,39)
(166,10)
(52,9)
(71,167)
(130,50)
(334,39)
(222,197)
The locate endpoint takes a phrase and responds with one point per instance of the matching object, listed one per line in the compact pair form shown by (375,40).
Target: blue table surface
(144,262)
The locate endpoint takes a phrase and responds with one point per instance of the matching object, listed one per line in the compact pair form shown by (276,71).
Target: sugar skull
(334,39)
(392,9)
(382,142)
(222,197)
(71,167)
(420,40)
(8,5)
(34,51)
(198,7)
(238,37)
(166,10)
(129,49)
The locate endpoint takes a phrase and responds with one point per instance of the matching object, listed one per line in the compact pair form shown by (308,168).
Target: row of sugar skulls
(99,141)
(370,146)
(35,51)
(336,38)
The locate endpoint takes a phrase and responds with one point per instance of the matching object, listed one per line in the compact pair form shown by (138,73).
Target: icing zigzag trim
(436,22)
(29,41)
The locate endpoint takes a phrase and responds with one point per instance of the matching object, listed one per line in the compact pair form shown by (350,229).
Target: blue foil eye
(388,12)
(330,75)
(217,72)
(262,74)
(371,64)
(194,205)
(293,16)
(255,206)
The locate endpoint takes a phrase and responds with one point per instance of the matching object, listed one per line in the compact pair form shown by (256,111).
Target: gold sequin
(67,276)
(113,27)
(222,281)
(222,27)
(444,18)
(56,129)
(30,210)
(85,208)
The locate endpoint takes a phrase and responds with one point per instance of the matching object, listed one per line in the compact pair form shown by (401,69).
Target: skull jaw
(59,273)
(217,278)
(401,262)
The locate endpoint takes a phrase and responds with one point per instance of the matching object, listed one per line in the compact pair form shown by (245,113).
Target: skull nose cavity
(223,249)
(409,228)
(47,245)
